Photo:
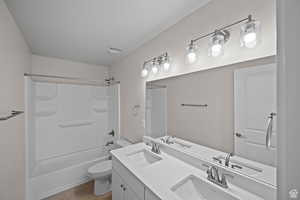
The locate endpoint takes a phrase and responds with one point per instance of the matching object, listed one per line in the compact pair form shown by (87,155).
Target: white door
(255,100)
(117,186)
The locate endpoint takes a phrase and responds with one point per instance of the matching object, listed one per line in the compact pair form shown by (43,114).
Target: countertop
(267,176)
(161,176)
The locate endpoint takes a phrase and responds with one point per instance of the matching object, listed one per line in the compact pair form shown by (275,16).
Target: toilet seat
(101,169)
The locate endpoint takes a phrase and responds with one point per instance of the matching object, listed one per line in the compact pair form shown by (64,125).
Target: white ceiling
(82,30)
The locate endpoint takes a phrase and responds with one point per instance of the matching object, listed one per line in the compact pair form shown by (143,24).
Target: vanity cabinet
(150,195)
(125,186)
(121,190)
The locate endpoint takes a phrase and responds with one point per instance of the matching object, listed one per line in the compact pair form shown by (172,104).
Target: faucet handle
(230,154)
(112,133)
(209,171)
(109,143)
(217,160)
(155,148)
(163,140)
(224,180)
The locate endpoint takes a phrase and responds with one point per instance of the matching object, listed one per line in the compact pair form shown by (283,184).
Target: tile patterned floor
(81,192)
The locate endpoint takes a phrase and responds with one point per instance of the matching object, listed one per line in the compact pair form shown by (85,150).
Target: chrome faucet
(227,159)
(213,176)
(155,148)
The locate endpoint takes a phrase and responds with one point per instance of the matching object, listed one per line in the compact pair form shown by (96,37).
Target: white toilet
(101,172)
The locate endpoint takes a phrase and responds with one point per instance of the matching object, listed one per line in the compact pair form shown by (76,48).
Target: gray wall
(15,59)
(289,97)
(212,126)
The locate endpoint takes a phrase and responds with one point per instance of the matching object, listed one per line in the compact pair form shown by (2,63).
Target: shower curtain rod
(104,82)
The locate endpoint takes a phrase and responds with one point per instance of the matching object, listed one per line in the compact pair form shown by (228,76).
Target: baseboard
(64,188)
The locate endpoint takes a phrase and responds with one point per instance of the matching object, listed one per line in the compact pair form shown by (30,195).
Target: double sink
(191,187)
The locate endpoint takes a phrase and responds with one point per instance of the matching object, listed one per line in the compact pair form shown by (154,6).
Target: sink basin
(195,188)
(244,168)
(143,158)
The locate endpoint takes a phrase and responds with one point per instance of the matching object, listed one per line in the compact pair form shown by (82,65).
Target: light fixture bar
(159,58)
(249,18)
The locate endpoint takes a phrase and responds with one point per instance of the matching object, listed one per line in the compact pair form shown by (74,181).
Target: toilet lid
(101,167)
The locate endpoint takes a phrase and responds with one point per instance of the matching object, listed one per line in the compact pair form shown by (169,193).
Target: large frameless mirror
(230,109)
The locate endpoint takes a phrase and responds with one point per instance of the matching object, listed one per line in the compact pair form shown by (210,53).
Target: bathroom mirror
(230,109)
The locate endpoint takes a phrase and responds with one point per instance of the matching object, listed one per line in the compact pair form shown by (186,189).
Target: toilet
(101,172)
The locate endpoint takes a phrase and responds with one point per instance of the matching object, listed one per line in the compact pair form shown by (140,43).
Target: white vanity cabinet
(125,186)
(150,195)
(121,190)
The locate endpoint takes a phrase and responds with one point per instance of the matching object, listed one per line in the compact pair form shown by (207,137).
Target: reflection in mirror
(228,109)
(156,110)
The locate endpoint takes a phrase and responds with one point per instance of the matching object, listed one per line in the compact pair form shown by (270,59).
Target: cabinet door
(129,194)
(150,195)
(117,186)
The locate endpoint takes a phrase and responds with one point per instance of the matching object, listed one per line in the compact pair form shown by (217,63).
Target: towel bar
(13,114)
(195,105)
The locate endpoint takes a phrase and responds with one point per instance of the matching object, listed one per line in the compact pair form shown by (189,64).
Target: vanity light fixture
(166,62)
(191,55)
(154,67)
(217,42)
(249,38)
(250,33)
(155,64)
(144,72)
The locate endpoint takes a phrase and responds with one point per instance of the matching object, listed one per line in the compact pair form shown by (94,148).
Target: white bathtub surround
(67,129)
(160,177)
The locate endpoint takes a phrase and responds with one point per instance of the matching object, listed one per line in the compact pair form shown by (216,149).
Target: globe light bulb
(166,66)
(154,69)
(216,50)
(144,73)
(249,40)
(217,42)
(250,33)
(191,55)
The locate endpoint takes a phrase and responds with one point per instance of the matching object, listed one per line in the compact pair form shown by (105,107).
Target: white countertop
(267,176)
(161,176)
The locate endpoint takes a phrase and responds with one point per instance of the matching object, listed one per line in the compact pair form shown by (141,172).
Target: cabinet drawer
(135,185)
